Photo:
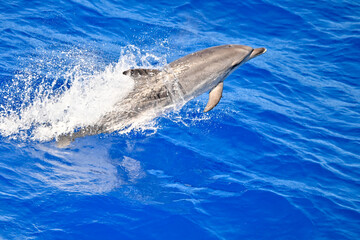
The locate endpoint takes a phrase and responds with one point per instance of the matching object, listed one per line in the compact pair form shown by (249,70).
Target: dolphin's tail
(64,140)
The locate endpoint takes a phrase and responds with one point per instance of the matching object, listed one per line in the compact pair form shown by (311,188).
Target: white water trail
(65,92)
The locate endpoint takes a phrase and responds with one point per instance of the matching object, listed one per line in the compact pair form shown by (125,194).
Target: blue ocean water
(278,158)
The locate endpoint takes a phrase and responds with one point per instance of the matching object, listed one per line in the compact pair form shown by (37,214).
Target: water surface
(278,158)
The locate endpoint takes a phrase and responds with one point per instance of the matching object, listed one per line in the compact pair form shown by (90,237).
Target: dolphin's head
(201,71)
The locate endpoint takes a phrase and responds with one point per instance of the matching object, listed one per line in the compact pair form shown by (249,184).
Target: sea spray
(65,91)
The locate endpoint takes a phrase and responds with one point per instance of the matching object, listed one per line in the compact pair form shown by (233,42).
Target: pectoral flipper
(214,96)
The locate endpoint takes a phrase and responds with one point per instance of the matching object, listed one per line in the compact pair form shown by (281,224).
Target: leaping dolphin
(156,91)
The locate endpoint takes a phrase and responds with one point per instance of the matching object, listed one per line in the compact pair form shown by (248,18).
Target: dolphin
(158,90)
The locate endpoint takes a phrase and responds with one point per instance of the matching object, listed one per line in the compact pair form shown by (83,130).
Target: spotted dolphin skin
(156,91)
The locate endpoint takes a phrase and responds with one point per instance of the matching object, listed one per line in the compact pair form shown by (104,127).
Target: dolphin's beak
(256,52)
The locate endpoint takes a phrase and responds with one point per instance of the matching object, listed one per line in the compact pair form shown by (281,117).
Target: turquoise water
(278,158)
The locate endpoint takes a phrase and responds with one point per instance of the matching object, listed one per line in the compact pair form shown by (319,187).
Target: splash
(61,92)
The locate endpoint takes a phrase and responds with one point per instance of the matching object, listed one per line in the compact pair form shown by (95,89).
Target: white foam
(65,92)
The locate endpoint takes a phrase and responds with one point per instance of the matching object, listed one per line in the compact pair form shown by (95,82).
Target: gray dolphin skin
(158,91)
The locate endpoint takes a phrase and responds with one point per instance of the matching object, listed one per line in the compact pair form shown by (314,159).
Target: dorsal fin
(139,72)
(214,96)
